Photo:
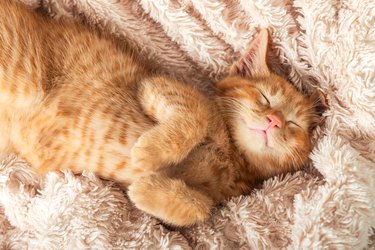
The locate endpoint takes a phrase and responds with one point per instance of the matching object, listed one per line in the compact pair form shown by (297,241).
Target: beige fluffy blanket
(325,44)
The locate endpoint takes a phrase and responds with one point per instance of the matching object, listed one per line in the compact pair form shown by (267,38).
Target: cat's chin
(252,140)
(261,136)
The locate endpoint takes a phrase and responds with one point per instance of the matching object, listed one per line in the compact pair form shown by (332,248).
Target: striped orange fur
(72,98)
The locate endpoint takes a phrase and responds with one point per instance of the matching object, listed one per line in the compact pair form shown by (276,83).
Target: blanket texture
(325,44)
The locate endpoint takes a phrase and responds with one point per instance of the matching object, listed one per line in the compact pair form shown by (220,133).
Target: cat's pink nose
(274,121)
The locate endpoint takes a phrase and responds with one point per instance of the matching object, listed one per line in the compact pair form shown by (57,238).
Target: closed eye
(265,98)
(293,124)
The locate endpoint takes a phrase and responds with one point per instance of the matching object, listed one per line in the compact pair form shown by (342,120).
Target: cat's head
(269,120)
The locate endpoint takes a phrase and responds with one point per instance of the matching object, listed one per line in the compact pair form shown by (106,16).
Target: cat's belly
(108,158)
(51,139)
(18,134)
(100,146)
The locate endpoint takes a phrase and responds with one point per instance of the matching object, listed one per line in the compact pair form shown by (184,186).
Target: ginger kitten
(70,98)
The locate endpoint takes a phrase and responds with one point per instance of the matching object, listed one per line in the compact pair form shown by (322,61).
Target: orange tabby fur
(71,98)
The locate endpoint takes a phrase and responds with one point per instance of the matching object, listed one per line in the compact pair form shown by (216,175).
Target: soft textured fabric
(328,45)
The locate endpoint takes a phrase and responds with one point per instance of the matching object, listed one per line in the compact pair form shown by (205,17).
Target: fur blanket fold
(328,45)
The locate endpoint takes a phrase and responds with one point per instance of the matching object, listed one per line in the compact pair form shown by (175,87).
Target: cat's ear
(320,105)
(319,101)
(253,63)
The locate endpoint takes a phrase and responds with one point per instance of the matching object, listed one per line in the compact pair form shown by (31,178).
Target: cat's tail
(170,200)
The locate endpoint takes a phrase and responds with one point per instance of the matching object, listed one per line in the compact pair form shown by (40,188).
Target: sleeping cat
(70,98)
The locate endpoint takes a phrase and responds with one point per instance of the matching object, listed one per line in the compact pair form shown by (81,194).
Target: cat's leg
(181,114)
(170,200)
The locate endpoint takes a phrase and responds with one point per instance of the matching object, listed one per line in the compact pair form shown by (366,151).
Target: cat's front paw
(170,200)
(147,157)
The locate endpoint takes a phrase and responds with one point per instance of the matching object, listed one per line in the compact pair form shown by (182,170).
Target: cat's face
(270,121)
